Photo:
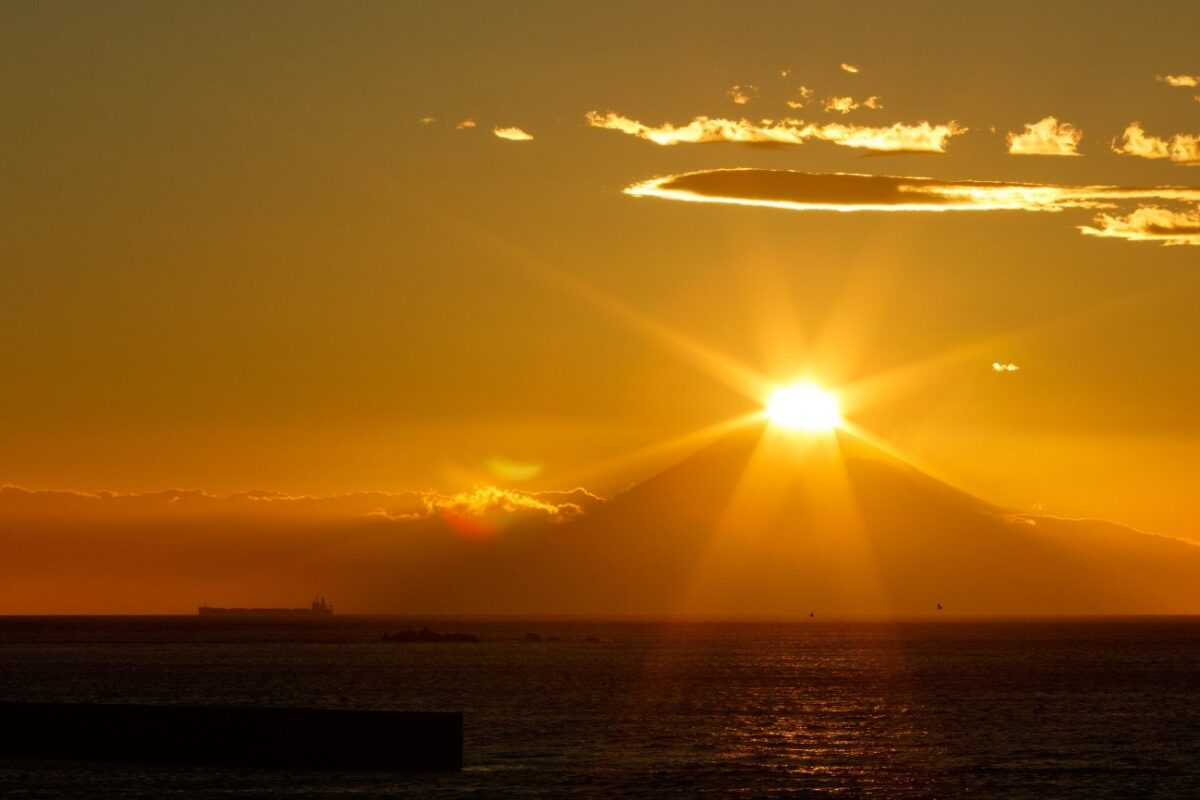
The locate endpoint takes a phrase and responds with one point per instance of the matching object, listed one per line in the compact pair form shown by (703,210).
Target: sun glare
(804,407)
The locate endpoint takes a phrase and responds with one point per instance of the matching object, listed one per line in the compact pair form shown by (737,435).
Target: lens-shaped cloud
(921,137)
(806,191)
(850,68)
(1047,137)
(1149,224)
(1000,366)
(512,134)
(1181,148)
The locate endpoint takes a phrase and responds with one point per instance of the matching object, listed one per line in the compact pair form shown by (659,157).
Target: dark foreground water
(946,708)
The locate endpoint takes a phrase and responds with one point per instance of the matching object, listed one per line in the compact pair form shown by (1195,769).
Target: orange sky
(322,250)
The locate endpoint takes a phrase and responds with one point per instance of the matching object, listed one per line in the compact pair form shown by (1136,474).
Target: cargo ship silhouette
(318,608)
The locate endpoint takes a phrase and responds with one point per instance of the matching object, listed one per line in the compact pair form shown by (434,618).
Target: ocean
(941,708)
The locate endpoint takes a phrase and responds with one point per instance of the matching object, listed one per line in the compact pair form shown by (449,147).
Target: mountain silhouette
(758,523)
(768,524)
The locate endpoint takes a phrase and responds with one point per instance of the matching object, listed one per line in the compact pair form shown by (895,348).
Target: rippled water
(948,708)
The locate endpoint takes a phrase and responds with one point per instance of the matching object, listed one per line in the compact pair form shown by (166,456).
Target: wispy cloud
(466,124)
(489,503)
(844,105)
(800,98)
(428,120)
(1181,148)
(157,551)
(998,366)
(921,137)
(512,134)
(742,93)
(485,511)
(1183,81)
(502,505)
(1048,137)
(850,68)
(1149,224)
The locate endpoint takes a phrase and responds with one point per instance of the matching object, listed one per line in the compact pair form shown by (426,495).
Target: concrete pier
(234,736)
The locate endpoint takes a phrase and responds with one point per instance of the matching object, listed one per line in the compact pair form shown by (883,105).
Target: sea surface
(944,708)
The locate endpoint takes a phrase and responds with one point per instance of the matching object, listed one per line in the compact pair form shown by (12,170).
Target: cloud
(428,120)
(1135,142)
(849,68)
(804,191)
(742,93)
(1149,224)
(483,503)
(491,502)
(1048,137)
(512,134)
(844,105)
(921,137)
(465,124)
(104,552)
(783,73)
(1182,81)
(1001,367)
(801,98)
(1180,148)
(485,511)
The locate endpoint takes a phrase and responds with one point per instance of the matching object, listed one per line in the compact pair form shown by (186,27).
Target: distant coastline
(318,609)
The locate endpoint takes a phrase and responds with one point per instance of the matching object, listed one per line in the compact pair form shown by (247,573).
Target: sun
(803,407)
